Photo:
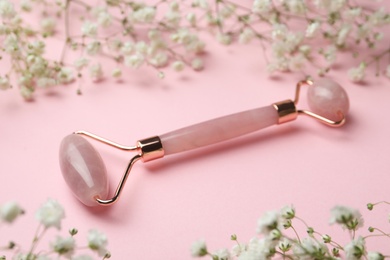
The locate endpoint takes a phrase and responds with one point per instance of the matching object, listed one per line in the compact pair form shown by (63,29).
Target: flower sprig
(274,242)
(292,35)
(50,215)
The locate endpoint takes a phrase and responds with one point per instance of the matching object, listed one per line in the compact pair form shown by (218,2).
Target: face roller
(85,172)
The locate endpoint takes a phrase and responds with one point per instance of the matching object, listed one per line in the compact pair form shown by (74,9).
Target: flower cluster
(49,215)
(293,35)
(274,242)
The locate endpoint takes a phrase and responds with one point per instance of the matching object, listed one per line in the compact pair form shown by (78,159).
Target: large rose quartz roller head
(85,173)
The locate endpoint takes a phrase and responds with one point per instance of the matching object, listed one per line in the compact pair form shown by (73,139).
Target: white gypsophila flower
(278,64)
(227,10)
(114,44)
(330,54)
(246,36)
(309,248)
(134,61)
(305,50)
(173,18)
(50,214)
(89,29)
(224,38)
(261,6)
(96,72)
(178,65)
(191,18)
(197,64)
(268,222)
(347,217)
(38,66)
(25,5)
(278,49)
(174,6)
(154,35)
(356,249)
(64,246)
(160,59)
(279,32)
(7,10)
(285,245)
(375,256)
(97,241)
(141,47)
(198,248)
(293,40)
(352,13)
(363,31)
(222,254)
(296,6)
(45,82)
(195,45)
(104,19)
(93,48)
(144,15)
(200,3)
(26,80)
(312,29)
(330,6)
(48,25)
(343,34)
(257,249)
(238,249)
(116,73)
(127,48)
(81,63)
(11,44)
(65,75)
(182,36)
(36,48)
(26,92)
(155,47)
(357,74)
(61,3)
(4,83)
(288,212)
(297,62)
(380,17)
(10,211)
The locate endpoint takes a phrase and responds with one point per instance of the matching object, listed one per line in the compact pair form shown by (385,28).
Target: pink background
(209,193)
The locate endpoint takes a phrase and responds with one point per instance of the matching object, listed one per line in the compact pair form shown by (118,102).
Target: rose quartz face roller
(85,172)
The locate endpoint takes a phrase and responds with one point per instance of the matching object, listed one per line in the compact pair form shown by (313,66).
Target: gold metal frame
(148,149)
(287,110)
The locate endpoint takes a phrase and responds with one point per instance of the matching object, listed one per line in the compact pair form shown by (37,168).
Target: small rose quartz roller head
(85,172)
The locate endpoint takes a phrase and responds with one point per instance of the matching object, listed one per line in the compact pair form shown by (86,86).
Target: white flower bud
(10,211)
(4,83)
(7,10)
(199,248)
(178,65)
(197,64)
(50,214)
(96,72)
(116,73)
(191,18)
(135,60)
(89,29)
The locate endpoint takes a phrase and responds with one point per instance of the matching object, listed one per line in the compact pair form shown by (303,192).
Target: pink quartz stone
(219,129)
(327,98)
(83,169)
